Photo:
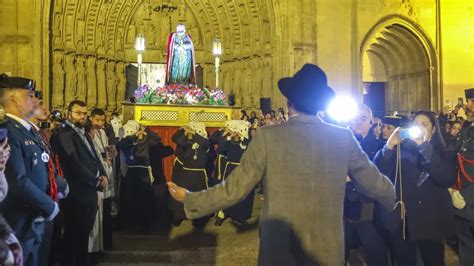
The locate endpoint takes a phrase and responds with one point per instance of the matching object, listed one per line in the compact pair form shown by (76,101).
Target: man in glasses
(29,202)
(85,174)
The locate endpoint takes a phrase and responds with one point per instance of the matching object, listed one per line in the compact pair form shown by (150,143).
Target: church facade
(422,51)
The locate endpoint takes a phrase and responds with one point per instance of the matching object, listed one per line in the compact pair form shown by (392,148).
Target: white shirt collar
(22,121)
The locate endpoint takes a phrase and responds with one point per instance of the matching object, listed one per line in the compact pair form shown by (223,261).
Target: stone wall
(79,48)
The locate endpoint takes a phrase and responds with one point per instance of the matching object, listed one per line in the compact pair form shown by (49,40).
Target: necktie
(53,187)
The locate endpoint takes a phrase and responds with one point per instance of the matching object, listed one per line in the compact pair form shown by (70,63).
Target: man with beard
(41,127)
(29,202)
(85,174)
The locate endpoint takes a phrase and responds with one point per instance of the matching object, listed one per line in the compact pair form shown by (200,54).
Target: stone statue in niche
(80,32)
(122,83)
(58,80)
(111,86)
(152,35)
(101,84)
(266,79)
(57,29)
(91,82)
(71,78)
(81,77)
(119,40)
(131,33)
(100,41)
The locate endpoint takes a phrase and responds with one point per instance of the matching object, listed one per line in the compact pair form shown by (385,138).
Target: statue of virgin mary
(180,65)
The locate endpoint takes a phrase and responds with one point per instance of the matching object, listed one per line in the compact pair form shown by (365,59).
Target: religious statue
(111,85)
(122,83)
(180,64)
(71,78)
(81,77)
(91,82)
(101,84)
(58,80)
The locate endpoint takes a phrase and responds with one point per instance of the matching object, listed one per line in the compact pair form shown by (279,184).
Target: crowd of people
(67,181)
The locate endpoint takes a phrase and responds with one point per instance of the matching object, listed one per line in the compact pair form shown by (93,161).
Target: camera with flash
(411,132)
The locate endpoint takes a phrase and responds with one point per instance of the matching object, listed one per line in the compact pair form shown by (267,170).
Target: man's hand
(457,198)
(178,193)
(104,181)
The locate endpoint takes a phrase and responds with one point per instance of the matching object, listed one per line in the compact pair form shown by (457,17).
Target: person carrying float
(189,169)
(231,150)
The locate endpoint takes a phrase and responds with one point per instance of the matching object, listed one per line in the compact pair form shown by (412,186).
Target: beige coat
(303,165)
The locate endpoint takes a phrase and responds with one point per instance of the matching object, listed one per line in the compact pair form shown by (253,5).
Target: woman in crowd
(377,128)
(453,134)
(422,171)
(282,117)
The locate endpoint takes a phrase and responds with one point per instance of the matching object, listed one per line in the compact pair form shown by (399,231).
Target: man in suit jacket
(28,203)
(304,179)
(84,172)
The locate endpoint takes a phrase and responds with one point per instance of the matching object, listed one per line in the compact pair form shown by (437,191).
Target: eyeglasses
(79,113)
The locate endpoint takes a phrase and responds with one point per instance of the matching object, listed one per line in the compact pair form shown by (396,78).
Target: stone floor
(225,245)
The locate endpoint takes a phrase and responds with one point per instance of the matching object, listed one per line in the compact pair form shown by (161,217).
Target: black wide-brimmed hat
(308,89)
(7,82)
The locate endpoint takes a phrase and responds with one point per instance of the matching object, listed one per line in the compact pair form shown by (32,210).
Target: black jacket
(427,173)
(80,166)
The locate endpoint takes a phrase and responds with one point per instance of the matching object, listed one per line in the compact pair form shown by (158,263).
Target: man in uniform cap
(28,204)
(390,123)
(304,179)
(463,193)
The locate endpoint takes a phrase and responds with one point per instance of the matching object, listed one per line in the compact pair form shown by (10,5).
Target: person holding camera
(422,170)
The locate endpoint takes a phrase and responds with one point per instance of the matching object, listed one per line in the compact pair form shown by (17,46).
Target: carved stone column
(91,83)
(71,78)
(81,77)
(101,84)
(111,86)
(121,85)
(58,80)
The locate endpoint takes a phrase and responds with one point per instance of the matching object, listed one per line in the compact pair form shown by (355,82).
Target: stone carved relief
(71,78)
(91,82)
(58,80)
(101,84)
(100,38)
(111,86)
(131,33)
(81,77)
(121,84)
(92,26)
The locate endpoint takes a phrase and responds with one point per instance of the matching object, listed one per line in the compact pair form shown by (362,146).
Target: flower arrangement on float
(179,94)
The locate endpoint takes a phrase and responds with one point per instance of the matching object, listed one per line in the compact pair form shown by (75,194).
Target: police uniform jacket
(27,176)
(466,148)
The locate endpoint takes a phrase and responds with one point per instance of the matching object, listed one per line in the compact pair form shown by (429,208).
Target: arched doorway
(399,67)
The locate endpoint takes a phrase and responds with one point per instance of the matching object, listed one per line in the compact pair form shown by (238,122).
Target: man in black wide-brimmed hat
(304,179)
